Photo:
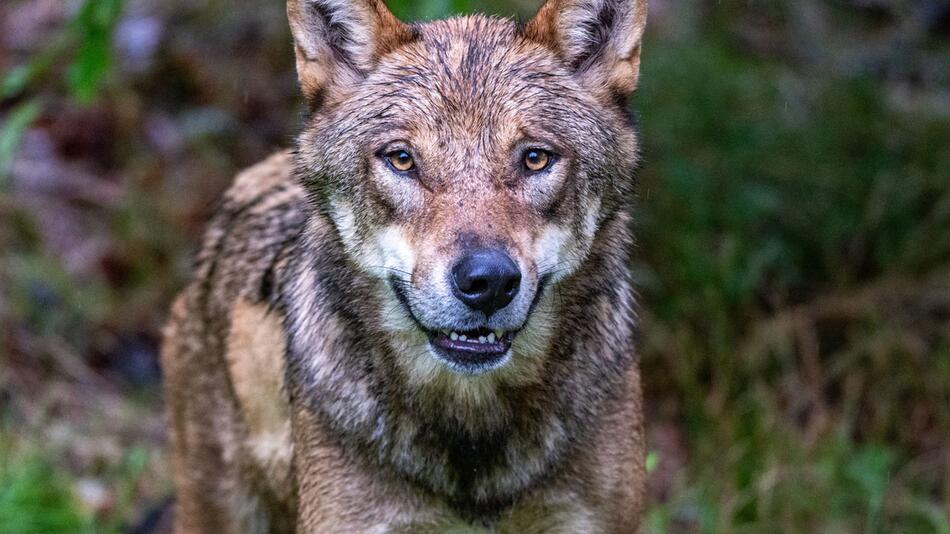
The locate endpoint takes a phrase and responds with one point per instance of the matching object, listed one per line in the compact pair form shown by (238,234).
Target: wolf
(421,318)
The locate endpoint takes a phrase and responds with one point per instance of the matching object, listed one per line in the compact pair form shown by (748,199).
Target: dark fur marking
(231,215)
(338,34)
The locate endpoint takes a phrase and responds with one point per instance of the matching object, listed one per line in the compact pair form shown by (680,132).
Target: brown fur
(300,387)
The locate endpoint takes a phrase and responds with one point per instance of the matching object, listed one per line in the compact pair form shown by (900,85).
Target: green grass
(39,492)
(35,496)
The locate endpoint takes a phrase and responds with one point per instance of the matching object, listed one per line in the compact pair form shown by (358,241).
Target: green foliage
(93,27)
(18,120)
(87,40)
(34,497)
(90,35)
(762,191)
(652,460)
(756,181)
(435,9)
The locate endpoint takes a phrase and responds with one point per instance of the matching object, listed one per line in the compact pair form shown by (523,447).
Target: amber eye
(536,159)
(400,160)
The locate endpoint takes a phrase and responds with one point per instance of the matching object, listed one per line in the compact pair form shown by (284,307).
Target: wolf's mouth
(481,347)
(469,350)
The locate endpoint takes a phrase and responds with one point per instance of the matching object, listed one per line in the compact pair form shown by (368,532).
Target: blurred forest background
(794,255)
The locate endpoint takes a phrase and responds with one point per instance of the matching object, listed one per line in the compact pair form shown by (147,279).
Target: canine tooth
(481,339)
(491,337)
(454,336)
(463,337)
(499,333)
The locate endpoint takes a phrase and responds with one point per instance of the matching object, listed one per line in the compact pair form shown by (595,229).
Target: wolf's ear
(600,39)
(339,41)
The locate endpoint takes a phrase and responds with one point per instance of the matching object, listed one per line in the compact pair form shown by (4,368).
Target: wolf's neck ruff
(477,454)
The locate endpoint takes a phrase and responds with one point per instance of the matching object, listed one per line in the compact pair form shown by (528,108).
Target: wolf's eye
(400,160)
(536,159)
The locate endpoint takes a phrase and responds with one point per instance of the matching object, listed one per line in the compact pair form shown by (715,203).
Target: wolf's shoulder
(275,172)
(252,233)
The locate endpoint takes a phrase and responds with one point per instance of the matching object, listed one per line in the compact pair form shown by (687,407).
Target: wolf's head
(468,166)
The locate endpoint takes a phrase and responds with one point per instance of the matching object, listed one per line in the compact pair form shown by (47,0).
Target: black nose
(486,280)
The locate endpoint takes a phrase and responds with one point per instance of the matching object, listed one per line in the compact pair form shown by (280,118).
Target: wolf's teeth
(454,336)
(499,333)
(481,339)
(491,337)
(463,337)
(446,332)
